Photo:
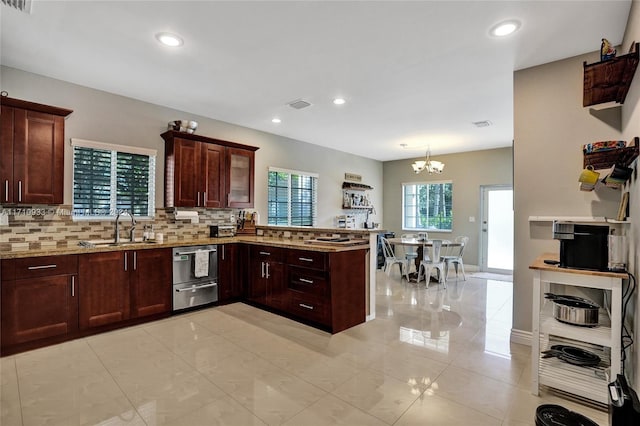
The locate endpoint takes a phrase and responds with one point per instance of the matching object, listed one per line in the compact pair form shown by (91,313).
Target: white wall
(111,118)
(468,171)
(550,127)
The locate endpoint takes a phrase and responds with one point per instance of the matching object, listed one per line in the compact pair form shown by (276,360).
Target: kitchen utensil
(574,310)
(572,355)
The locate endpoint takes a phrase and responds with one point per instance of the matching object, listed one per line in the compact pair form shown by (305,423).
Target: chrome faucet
(133,226)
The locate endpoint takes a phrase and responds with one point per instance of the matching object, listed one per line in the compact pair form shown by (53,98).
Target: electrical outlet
(472,219)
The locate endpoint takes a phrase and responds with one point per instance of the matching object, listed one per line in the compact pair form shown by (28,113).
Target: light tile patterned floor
(432,357)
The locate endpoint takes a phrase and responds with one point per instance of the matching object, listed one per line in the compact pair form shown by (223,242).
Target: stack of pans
(572,355)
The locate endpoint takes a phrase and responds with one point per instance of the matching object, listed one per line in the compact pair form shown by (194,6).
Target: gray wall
(550,127)
(468,171)
(107,117)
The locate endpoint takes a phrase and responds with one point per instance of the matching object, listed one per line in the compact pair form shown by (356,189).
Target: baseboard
(521,337)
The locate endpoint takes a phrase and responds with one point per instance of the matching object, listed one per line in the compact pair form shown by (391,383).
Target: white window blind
(108,178)
(293,197)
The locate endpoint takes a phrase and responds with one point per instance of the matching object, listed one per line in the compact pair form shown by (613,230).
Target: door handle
(125,261)
(73,286)
(6,190)
(261,269)
(20,191)
(267,270)
(135,261)
(198,201)
(204,198)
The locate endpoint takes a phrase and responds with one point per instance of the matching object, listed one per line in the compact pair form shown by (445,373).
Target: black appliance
(624,407)
(582,246)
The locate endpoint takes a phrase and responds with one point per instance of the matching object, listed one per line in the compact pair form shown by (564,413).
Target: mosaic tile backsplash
(41,227)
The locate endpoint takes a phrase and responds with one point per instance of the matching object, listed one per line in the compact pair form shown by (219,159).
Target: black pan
(572,355)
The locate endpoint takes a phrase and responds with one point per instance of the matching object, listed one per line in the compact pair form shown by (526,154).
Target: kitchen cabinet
(39,299)
(266,279)
(31,152)
(207,172)
(229,278)
(604,340)
(104,291)
(119,285)
(151,278)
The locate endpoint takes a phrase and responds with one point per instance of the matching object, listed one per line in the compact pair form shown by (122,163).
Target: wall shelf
(608,81)
(354,197)
(577,219)
(619,156)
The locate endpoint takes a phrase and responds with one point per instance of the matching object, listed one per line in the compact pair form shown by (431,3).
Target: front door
(496,229)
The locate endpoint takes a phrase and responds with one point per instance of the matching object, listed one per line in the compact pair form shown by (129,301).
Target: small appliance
(624,407)
(582,246)
(219,231)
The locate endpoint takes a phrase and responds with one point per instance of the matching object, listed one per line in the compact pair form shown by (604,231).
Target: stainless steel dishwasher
(195,276)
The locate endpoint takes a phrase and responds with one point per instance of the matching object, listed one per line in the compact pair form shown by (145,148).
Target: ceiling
(417,73)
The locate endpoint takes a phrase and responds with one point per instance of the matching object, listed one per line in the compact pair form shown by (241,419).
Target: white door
(496,232)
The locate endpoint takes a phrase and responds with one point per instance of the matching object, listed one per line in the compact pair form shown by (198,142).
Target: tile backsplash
(41,227)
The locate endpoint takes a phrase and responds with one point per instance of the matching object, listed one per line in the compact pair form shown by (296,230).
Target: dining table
(420,243)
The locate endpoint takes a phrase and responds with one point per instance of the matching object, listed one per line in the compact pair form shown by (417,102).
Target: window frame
(114,149)
(314,203)
(438,182)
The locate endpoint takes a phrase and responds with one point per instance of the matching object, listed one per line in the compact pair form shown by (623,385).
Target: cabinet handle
(198,203)
(267,270)
(302,305)
(261,269)
(6,190)
(135,260)
(304,280)
(223,252)
(73,286)
(265,253)
(204,199)
(20,191)
(125,261)
(305,259)
(31,268)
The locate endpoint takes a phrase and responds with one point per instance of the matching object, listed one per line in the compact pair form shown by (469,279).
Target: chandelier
(427,164)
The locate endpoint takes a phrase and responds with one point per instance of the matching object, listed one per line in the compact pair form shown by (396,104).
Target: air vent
(299,104)
(21,5)
(485,123)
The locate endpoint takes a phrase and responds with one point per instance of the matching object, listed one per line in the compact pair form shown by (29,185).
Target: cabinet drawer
(309,307)
(32,267)
(308,281)
(307,259)
(266,253)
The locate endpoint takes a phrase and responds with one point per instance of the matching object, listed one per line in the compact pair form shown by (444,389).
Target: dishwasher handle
(194,288)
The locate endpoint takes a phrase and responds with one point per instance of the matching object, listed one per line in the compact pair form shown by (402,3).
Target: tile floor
(432,357)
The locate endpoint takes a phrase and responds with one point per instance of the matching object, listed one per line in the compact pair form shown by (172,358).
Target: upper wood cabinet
(31,152)
(206,172)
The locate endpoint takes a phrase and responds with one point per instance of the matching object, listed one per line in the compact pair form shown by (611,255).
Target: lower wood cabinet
(119,285)
(266,277)
(39,298)
(229,273)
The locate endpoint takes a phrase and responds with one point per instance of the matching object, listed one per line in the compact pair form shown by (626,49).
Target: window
(109,178)
(427,206)
(293,198)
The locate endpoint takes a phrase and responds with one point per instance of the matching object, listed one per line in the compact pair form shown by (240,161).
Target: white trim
(84,143)
(293,172)
(521,337)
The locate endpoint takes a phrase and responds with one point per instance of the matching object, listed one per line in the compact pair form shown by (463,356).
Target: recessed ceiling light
(505,28)
(339,101)
(276,120)
(169,39)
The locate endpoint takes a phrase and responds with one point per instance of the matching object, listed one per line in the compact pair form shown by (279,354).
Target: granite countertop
(139,245)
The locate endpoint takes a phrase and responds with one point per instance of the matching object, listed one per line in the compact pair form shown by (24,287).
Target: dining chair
(410,253)
(432,261)
(455,258)
(390,259)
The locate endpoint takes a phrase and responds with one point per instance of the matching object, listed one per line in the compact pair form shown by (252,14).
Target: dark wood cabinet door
(151,279)
(6,153)
(240,176)
(229,282)
(104,296)
(257,283)
(212,175)
(38,308)
(277,291)
(38,157)
(187,173)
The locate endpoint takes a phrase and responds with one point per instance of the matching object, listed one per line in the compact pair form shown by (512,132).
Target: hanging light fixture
(427,164)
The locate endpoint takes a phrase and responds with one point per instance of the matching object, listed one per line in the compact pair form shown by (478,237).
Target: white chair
(410,253)
(390,259)
(456,258)
(432,261)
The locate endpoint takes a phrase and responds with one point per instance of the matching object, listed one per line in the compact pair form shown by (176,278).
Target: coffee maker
(582,246)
